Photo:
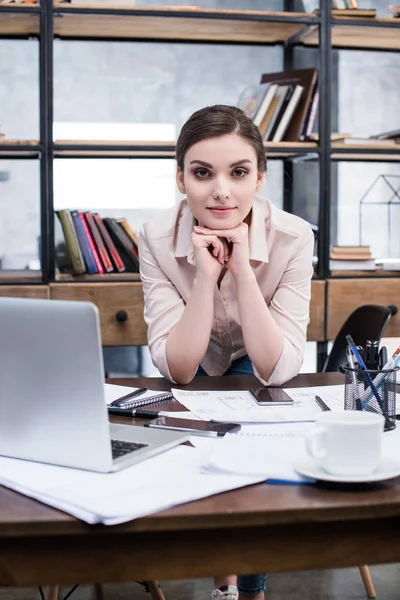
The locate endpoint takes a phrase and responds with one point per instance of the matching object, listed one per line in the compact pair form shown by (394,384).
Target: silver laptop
(52,405)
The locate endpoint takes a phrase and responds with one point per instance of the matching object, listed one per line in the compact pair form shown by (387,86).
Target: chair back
(365,323)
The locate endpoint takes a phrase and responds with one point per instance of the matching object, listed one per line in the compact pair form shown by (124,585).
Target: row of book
(284,105)
(351,258)
(98,244)
(344,4)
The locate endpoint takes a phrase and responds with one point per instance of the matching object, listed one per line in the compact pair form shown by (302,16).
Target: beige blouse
(281,249)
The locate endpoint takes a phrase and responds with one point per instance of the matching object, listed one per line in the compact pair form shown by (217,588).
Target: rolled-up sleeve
(290,308)
(163,305)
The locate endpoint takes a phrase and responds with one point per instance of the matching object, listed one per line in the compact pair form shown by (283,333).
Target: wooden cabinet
(25,291)
(120,307)
(345,295)
(316,326)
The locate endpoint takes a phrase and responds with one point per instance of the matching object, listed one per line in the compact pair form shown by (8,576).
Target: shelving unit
(359,34)
(288,29)
(19,21)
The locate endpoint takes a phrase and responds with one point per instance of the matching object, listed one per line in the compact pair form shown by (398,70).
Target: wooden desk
(282,527)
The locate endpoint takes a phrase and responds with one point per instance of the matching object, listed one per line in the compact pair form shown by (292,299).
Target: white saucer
(388,468)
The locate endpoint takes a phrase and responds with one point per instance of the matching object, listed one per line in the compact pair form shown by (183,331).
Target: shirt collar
(184,246)
(258,247)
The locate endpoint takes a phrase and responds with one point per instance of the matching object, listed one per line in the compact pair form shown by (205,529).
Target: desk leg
(51,592)
(155,590)
(367,580)
(98,591)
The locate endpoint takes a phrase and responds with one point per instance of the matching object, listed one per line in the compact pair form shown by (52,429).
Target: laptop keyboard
(120,448)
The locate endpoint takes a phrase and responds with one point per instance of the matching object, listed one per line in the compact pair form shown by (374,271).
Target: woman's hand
(238,261)
(211,253)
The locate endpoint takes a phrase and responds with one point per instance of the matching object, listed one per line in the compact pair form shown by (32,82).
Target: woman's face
(220,179)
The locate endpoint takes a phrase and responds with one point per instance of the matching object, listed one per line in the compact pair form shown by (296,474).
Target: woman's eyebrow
(235,164)
(240,162)
(201,162)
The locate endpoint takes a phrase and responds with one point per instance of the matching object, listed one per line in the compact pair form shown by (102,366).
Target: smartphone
(207,428)
(270,396)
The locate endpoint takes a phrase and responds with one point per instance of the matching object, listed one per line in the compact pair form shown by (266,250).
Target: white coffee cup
(347,443)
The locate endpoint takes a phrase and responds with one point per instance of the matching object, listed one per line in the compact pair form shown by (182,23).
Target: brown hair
(215,121)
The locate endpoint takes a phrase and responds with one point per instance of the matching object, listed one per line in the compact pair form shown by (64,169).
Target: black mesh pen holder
(359,394)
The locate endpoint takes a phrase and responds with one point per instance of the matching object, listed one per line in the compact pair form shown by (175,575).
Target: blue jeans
(240,366)
(248,585)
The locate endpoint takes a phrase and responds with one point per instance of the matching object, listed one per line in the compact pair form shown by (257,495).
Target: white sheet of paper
(162,481)
(240,407)
(271,456)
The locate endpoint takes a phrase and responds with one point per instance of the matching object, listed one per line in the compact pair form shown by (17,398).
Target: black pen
(139,414)
(321,403)
(119,401)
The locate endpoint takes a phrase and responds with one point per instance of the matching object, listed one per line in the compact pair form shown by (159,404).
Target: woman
(226,275)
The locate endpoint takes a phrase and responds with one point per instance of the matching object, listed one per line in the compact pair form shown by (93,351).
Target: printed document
(240,406)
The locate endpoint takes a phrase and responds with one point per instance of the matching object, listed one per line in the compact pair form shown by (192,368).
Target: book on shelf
(98,245)
(130,232)
(352,253)
(102,250)
(113,252)
(125,247)
(104,3)
(254,101)
(388,135)
(297,108)
(290,108)
(335,136)
(352,265)
(71,241)
(359,141)
(388,264)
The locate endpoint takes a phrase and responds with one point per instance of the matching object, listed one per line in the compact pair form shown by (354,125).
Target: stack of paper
(155,484)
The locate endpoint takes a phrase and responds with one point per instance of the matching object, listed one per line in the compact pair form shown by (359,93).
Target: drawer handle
(121,316)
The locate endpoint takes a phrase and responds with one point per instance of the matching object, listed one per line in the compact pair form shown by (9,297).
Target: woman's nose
(221,191)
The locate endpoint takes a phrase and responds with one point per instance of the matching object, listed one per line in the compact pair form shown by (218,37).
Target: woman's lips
(221,210)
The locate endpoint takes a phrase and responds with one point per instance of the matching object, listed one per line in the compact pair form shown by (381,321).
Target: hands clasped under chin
(215,248)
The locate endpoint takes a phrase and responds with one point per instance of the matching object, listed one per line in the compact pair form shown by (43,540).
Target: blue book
(86,250)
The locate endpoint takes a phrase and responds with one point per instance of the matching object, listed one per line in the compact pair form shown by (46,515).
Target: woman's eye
(239,172)
(201,173)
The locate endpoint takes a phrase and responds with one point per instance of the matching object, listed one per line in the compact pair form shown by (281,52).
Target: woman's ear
(260,181)
(180,181)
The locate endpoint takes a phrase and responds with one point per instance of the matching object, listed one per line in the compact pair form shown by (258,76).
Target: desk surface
(311,527)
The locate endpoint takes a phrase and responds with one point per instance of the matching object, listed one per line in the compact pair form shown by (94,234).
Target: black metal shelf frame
(47,150)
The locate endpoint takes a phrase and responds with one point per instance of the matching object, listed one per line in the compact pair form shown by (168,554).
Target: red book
(119,265)
(96,257)
(98,240)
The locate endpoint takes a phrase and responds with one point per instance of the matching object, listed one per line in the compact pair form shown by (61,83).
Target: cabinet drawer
(345,295)
(25,291)
(120,306)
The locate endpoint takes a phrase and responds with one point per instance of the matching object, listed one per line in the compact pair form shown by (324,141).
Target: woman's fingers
(219,246)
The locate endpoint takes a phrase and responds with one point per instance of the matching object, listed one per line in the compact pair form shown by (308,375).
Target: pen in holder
(359,396)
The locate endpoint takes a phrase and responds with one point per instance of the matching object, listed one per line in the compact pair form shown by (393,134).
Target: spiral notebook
(114,393)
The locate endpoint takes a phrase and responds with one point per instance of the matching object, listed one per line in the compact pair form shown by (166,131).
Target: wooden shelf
(163,23)
(127,149)
(19,20)
(359,35)
(19,148)
(106,277)
(11,276)
(376,273)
